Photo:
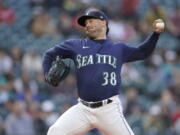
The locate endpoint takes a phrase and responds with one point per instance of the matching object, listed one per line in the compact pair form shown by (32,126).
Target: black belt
(96,104)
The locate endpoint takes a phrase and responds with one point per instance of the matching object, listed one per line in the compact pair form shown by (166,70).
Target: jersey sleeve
(64,50)
(143,50)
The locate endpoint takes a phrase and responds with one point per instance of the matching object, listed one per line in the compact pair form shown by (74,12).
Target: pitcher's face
(95,27)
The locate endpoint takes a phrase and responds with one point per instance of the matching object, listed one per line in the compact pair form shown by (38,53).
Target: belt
(96,104)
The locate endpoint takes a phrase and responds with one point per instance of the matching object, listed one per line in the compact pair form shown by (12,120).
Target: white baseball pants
(79,119)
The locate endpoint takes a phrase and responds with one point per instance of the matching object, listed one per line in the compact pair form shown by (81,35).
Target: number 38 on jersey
(109,78)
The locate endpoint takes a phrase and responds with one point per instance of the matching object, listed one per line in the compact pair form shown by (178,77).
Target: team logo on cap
(101,17)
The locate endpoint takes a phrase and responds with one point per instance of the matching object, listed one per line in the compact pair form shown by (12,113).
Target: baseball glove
(58,72)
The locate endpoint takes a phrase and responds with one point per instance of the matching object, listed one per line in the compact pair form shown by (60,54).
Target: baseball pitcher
(98,64)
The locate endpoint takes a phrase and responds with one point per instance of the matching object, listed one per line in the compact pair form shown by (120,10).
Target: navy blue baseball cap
(93,13)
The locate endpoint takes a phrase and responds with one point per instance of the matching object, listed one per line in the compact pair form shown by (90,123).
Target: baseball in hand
(160,25)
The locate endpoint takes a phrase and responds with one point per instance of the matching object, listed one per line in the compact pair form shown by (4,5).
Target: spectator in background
(31,62)
(131,100)
(43,24)
(6,77)
(167,100)
(16,55)
(142,29)
(44,91)
(40,125)
(152,122)
(6,87)
(132,76)
(174,22)
(155,11)
(135,118)
(49,116)
(155,75)
(65,24)
(120,30)
(33,108)
(176,84)
(25,86)
(5,62)
(165,117)
(18,122)
(168,66)
(7,15)
(71,6)
(128,9)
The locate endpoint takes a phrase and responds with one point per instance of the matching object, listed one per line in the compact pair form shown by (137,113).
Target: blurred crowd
(150,91)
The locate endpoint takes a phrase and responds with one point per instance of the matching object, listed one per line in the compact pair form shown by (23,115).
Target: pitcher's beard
(92,34)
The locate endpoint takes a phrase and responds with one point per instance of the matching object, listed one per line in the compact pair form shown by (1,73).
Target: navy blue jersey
(98,63)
